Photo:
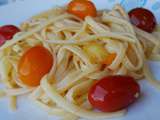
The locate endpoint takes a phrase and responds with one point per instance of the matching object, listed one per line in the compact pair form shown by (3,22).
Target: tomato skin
(82,8)
(2,40)
(34,64)
(8,31)
(143,19)
(113,93)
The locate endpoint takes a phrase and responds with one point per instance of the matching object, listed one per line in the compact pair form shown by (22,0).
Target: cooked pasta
(63,91)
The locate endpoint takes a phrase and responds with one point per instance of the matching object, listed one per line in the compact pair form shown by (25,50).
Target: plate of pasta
(79,59)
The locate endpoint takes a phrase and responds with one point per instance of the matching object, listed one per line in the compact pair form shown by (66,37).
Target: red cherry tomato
(2,40)
(34,64)
(113,93)
(82,8)
(143,19)
(8,31)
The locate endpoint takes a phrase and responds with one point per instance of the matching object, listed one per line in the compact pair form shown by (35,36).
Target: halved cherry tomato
(143,19)
(8,31)
(82,8)
(34,64)
(113,93)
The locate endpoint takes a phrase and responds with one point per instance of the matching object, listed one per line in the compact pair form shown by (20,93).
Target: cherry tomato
(2,40)
(34,64)
(8,31)
(82,8)
(113,93)
(143,19)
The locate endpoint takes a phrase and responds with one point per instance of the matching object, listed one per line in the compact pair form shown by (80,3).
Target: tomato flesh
(113,93)
(34,64)
(143,19)
(8,31)
(82,8)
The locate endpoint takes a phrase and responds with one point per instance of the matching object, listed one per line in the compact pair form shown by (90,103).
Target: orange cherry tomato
(34,64)
(82,8)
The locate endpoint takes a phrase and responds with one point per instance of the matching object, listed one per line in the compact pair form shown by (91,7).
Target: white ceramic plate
(147,108)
